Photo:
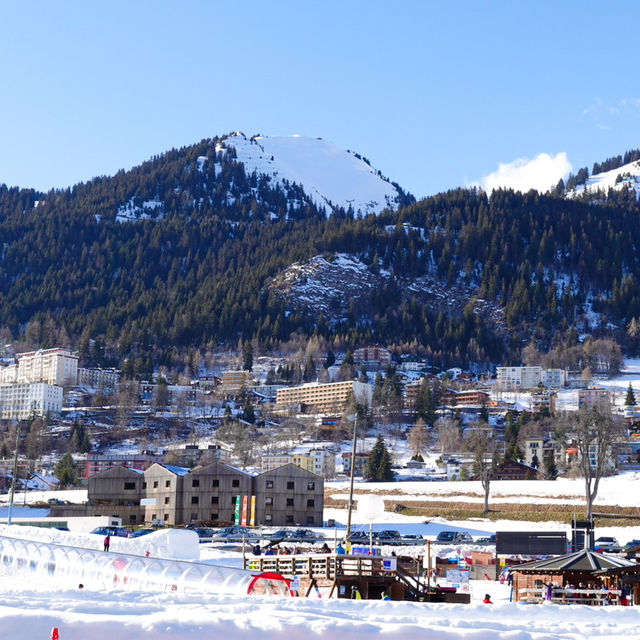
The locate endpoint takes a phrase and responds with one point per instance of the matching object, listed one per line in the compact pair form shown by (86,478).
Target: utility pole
(15,474)
(353,468)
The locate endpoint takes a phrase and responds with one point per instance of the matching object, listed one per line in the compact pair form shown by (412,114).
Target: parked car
(454,537)
(141,532)
(204,534)
(359,537)
(235,533)
(413,538)
(608,544)
(294,536)
(119,532)
(486,540)
(388,536)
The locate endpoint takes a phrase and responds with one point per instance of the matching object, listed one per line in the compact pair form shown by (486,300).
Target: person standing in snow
(487,599)
(107,542)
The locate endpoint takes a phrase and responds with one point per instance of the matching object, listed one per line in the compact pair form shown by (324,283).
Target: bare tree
(483,444)
(593,432)
(418,438)
(449,435)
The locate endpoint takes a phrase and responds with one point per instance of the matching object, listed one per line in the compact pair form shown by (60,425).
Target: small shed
(581,577)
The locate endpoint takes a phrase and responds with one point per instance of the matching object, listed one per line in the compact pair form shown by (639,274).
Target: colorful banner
(252,522)
(245,505)
(237,518)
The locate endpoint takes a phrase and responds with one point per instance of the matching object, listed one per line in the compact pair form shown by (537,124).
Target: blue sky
(435,94)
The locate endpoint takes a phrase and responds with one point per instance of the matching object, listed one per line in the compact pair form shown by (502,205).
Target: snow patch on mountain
(627,175)
(136,210)
(330,176)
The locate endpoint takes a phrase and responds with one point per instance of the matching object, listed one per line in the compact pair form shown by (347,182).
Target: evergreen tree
(550,469)
(379,463)
(330,360)
(630,400)
(248,411)
(247,356)
(66,471)
(535,462)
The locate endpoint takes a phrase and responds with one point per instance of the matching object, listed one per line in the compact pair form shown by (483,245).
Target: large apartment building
(21,400)
(169,495)
(324,398)
(53,366)
(519,377)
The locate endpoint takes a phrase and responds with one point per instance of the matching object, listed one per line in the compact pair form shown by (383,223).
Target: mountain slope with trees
(182,252)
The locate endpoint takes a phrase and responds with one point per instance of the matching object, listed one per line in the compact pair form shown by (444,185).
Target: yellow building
(324,397)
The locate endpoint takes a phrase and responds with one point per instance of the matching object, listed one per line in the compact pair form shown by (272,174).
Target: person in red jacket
(487,599)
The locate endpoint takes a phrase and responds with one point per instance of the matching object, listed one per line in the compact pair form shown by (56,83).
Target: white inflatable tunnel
(69,566)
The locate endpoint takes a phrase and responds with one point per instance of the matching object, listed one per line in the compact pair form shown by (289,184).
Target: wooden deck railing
(559,595)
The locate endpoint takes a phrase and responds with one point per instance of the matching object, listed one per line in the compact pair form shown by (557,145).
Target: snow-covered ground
(30,610)
(330,176)
(628,174)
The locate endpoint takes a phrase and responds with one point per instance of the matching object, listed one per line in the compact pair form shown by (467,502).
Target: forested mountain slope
(188,250)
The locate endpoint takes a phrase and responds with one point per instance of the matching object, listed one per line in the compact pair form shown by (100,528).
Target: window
(233,500)
(267,517)
(311,503)
(194,499)
(129,486)
(167,483)
(144,485)
(310,520)
(195,482)
(154,516)
(214,516)
(235,483)
(290,485)
(166,517)
(132,519)
(269,484)
(214,499)
(215,483)
(155,484)
(311,486)
(289,520)
(166,500)
(289,502)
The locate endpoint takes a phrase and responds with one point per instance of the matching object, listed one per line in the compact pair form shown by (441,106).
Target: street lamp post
(353,468)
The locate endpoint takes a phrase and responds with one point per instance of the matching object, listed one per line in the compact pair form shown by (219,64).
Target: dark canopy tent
(569,571)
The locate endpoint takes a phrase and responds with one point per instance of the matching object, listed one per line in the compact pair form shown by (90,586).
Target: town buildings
(171,495)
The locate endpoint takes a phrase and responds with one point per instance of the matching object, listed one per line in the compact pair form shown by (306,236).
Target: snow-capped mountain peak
(330,176)
(626,175)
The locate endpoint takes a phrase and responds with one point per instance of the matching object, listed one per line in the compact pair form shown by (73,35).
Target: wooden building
(210,492)
(117,492)
(289,495)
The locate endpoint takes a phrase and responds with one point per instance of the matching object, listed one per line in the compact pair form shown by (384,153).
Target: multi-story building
(117,492)
(360,464)
(53,366)
(98,378)
(322,398)
(98,462)
(163,494)
(554,378)
(9,373)
(544,400)
(593,396)
(233,381)
(466,397)
(289,495)
(21,400)
(519,377)
(210,493)
(369,357)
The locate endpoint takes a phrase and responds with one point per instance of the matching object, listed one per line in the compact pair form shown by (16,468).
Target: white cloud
(541,173)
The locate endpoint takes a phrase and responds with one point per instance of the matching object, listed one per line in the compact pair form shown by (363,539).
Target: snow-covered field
(30,610)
